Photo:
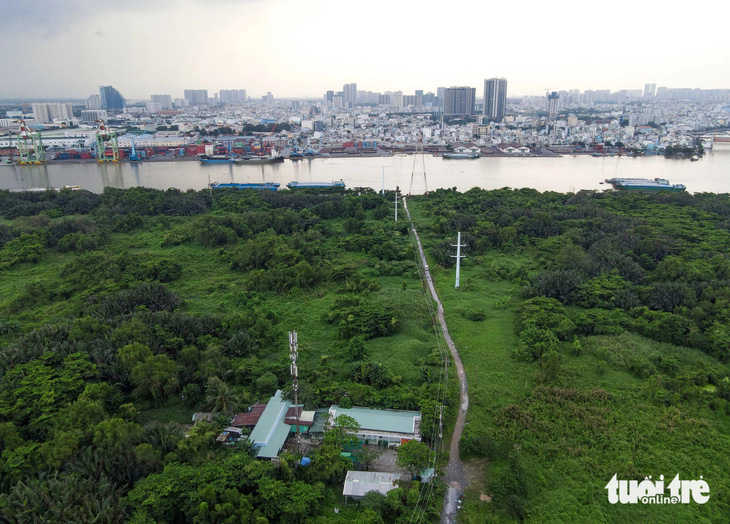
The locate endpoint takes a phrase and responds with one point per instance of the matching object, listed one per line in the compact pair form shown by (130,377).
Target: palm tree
(221,397)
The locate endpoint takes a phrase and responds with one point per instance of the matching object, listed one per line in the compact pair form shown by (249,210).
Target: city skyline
(302,49)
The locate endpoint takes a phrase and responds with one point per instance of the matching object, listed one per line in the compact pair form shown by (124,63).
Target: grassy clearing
(556,443)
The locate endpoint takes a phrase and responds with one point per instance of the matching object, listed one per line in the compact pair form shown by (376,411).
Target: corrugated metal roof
(380,419)
(270,432)
(358,483)
(250,418)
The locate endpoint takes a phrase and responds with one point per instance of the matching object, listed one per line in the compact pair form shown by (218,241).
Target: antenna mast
(293,349)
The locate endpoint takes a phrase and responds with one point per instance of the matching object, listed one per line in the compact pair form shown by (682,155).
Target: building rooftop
(270,432)
(249,418)
(358,483)
(381,419)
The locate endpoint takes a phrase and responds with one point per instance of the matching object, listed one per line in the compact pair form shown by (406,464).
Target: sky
(302,48)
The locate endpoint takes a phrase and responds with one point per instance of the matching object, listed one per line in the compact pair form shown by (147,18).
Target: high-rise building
(419,97)
(396,99)
(90,116)
(459,100)
(410,100)
(232,96)
(440,93)
(196,97)
(649,90)
(495,98)
(111,98)
(349,94)
(553,99)
(40,112)
(165,101)
(93,102)
(49,111)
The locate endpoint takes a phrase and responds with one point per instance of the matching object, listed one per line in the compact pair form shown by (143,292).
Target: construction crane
(104,135)
(30,146)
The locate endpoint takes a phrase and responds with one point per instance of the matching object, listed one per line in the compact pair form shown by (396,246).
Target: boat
(219,159)
(304,185)
(296,154)
(272,186)
(274,157)
(644,184)
(461,155)
(43,189)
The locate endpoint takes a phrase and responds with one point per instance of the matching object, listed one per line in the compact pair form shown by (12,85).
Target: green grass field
(554,444)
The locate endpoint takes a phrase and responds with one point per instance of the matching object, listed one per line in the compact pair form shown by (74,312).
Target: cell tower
(30,146)
(419,167)
(104,135)
(293,349)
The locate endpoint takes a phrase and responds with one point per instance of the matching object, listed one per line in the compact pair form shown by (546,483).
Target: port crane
(30,146)
(104,135)
(134,157)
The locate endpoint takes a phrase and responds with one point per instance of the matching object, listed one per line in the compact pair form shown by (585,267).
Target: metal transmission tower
(30,146)
(395,201)
(104,135)
(458,258)
(419,167)
(293,349)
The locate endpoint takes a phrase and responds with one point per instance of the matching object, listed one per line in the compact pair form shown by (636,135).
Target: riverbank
(568,173)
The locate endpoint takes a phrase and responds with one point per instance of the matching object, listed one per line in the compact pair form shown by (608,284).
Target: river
(563,174)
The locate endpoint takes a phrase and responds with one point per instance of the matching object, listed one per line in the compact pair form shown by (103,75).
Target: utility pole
(458,258)
(395,202)
(293,348)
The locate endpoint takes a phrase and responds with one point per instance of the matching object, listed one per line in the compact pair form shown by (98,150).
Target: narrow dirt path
(455,474)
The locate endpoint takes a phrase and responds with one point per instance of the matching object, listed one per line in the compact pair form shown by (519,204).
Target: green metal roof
(380,419)
(270,432)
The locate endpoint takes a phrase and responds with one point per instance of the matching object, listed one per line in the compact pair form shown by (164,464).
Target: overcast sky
(297,48)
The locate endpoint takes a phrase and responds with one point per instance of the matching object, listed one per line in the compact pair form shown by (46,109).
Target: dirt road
(455,475)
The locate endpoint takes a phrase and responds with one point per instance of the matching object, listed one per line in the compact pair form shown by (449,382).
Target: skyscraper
(196,97)
(440,91)
(649,90)
(495,98)
(232,96)
(459,100)
(349,94)
(93,102)
(111,98)
(552,106)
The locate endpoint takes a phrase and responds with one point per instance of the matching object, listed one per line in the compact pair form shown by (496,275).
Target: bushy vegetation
(123,313)
(610,358)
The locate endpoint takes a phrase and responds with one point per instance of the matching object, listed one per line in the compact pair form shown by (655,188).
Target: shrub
(474,316)
(152,295)
(535,342)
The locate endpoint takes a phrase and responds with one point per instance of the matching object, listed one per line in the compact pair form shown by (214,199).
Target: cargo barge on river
(644,184)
